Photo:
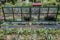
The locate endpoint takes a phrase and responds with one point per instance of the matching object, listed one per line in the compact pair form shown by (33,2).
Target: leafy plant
(11,31)
(2,32)
(43,33)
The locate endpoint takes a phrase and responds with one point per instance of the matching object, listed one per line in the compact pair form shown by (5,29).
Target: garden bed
(30,34)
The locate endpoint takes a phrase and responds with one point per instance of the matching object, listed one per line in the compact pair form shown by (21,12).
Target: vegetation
(42,34)
(44,3)
(1,22)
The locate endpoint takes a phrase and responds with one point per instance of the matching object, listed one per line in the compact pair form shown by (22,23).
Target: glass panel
(7,10)
(34,10)
(17,17)
(43,10)
(42,16)
(52,14)
(1,16)
(25,10)
(34,17)
(58,18)
(9,16)
(17,10)
(51,17)
(52,10)
(25,16)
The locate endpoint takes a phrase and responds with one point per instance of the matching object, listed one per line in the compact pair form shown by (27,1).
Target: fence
(36,14)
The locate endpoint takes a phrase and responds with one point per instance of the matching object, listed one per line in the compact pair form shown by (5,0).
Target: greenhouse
(30,20)
(34,14)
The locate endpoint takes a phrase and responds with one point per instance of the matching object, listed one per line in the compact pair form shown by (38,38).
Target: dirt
(58,38)
(21,37)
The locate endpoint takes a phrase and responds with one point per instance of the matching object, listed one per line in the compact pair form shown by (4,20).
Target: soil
(9,37)
(59,38)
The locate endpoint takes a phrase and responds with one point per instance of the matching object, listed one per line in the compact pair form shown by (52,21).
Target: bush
(23,4)
(7,5)
(18,4)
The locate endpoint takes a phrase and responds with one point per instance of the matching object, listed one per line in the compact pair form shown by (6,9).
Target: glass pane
(17,17)
(25,16)
(52,14)
(42,16)
(58,18)
(52,10)
(25,10)
(51,17)
(17,10)
(34,10)
(34,17)
(9,16)
(1,16)
(7,10)
(43,10)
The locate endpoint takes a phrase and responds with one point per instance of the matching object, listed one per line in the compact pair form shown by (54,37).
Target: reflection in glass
(51,17)
(25,10)
(17,17)
(42,16)
(43,10)
(25,17)
(58,17)
(34,17)
(17,10)
(7,10)
(50,14)
(9,16)
(35,10)
(52,10)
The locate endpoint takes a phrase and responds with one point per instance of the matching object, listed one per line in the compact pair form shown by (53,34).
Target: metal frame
(30,12)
